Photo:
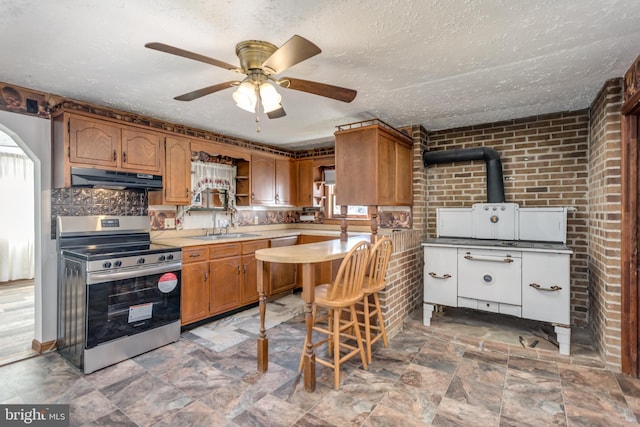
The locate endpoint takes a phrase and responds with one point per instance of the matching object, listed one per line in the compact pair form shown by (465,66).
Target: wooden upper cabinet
(373,167)
(305,182)
(285,182)
(176,179)
(273,181)
(141,150)
(263,173)
(93,142)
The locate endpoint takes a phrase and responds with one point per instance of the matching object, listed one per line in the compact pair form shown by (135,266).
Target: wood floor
(16,320)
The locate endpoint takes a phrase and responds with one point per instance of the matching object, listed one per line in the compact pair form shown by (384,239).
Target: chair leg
(383,331)
(367,325)
(336,349)
(354,320)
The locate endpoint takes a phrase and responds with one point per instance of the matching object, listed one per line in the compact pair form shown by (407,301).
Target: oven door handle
(101,277)
(507,260)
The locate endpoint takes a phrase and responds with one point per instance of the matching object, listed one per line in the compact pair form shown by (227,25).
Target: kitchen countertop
(521,245)
(189,237)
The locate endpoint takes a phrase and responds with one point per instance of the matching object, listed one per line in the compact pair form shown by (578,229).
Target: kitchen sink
(224,236)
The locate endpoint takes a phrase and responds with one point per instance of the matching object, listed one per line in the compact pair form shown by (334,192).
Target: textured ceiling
(441,64)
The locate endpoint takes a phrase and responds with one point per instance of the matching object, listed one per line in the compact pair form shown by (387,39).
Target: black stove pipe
(495,184)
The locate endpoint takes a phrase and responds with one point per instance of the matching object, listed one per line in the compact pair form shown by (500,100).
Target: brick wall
(545,163)
(404,290)
(604,198)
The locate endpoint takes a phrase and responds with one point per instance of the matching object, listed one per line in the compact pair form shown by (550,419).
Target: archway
(17,250)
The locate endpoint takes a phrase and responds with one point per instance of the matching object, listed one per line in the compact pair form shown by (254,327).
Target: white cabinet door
(441,276)
(545,287)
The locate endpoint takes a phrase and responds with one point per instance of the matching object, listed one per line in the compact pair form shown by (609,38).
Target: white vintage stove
(501,258)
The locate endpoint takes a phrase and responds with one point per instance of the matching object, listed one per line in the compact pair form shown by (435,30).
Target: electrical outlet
(170,223)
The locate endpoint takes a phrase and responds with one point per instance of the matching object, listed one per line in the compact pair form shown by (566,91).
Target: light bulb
(270,97)
(245,97)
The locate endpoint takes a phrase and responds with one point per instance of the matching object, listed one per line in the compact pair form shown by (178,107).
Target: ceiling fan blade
(206,91)
(295,50)
(329,91)
(276,114)
(191,55)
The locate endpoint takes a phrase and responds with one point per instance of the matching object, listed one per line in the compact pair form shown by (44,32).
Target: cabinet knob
(206,276)
(115,155)
(124,157)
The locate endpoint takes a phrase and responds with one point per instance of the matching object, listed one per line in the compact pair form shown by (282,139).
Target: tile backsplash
(77,201)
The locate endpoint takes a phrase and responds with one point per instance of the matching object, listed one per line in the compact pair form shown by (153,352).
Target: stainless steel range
(501,258)
(118,294)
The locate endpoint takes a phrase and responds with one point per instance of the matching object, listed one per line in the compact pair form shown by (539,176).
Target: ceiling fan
(261,61)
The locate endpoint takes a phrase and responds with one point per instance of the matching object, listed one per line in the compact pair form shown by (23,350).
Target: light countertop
(188,238)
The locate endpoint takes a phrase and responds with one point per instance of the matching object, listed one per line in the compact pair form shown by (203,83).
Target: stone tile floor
(461,371)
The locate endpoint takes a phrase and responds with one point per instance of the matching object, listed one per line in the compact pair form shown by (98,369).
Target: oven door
(131,301)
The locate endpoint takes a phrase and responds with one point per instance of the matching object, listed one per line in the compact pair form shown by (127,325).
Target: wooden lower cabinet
(282,277)
(224,284)
(324,272)
(249,283)
(195,284)
(218,278)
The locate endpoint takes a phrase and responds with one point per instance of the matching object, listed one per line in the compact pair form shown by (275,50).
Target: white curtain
(16,217)
(213,176)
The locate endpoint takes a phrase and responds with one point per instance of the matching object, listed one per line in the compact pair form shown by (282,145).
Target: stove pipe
(495,184)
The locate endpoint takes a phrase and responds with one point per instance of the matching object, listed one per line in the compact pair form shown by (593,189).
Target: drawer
(467,302)
(224,250)
(254,245)
(513,310)
(194,254)
(491,306)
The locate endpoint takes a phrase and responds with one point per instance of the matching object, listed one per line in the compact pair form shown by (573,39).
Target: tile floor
(462,371)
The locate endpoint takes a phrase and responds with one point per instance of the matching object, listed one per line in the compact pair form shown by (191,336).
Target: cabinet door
(140,151)
(93,142)
(195,292)
(441,276)
(176,178)
(249,279)
(305,183)
(282,277)
(224,284)
(285,182)
(262,180)
(546,287)
(324,272)
(250,270)
(404,175)
(386,170)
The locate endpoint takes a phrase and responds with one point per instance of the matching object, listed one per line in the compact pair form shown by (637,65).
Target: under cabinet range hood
(116,180)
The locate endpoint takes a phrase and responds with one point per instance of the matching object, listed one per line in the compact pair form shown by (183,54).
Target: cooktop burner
(95,253)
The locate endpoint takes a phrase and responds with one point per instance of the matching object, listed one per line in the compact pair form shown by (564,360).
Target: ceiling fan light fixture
(245,97)
(269,97)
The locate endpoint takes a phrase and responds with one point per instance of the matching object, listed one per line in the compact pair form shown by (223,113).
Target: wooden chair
(342,294)
(374,282)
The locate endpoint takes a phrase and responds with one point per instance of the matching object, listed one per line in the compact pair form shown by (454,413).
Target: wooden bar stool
(374,282)
(342,294)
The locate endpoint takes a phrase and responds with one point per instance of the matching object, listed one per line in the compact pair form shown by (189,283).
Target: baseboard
(43,347)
